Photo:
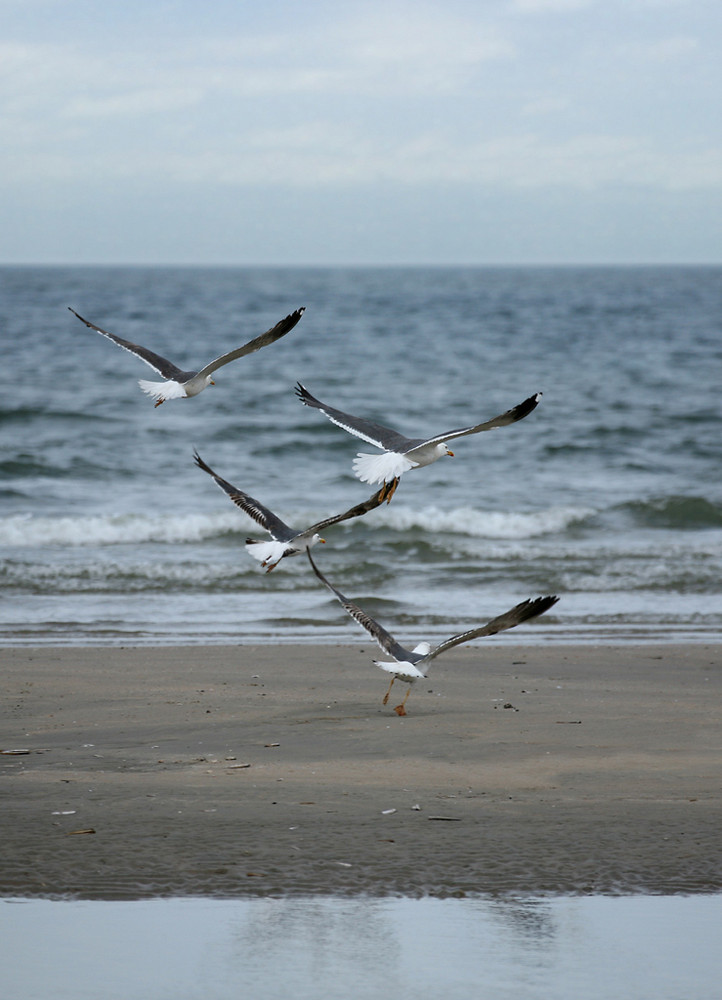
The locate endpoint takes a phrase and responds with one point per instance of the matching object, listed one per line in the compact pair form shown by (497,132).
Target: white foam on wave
(93,575)
(119,529)
(28,531)
(484,523)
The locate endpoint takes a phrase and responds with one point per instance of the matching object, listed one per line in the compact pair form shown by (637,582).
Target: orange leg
(389,490)
(400,709)
(159,402)
(386,696)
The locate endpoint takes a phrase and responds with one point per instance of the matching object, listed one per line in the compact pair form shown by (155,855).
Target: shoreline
(275,770)
(695,639)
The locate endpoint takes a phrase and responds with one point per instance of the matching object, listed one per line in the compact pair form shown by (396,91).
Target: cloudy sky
(383,131)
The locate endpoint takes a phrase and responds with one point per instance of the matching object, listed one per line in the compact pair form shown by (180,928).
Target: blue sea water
(609,494)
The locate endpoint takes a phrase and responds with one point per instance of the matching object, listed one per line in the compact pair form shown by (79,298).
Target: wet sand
(267,770)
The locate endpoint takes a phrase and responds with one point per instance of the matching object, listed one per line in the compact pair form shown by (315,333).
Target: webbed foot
(389,490)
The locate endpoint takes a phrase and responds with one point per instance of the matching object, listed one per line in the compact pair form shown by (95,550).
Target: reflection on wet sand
(318,947)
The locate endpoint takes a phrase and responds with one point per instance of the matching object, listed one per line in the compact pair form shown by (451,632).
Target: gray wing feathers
(168,370)
(518,614)
(391,440)
(361,508)
(275,333)
(503,420)
(376,434)
(277,528)
(160,364)
(376,631)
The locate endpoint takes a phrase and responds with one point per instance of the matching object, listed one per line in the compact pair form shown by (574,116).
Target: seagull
(399,452)
(286,540)
(410,664)
(181,384)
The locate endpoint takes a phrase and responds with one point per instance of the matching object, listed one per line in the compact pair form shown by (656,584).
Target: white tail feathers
(266,552)
(380,468)
(402,669)
(390,668)
(162,390)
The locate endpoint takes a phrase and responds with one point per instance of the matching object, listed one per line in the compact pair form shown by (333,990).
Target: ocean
(609,494)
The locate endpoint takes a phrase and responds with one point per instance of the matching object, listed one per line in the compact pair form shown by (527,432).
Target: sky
(380,132)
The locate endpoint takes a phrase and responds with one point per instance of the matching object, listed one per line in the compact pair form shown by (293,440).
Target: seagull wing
(376,631)
(521,613)
(160,364)
(361,508)
(277,528)
(275,333)
(381,437)
(508,417)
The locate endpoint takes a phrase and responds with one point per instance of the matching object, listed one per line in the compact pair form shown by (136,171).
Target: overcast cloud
(505,131)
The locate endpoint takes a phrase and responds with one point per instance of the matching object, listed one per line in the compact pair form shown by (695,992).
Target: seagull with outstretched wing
(181,384)
(399,453)
(286,541)
(409,665)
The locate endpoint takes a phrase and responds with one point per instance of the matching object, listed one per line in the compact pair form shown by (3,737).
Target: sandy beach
(231,770)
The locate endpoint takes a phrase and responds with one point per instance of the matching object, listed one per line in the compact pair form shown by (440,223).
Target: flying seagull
(401,453)
(410,664)
(181,384)
(286,540)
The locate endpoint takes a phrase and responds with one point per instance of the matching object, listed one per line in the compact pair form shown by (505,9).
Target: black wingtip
(201,464)
(78,316)
(541,605)
(306,398)
(532,607)
(525,408)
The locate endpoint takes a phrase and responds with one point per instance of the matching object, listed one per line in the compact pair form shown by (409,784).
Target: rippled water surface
(608,494)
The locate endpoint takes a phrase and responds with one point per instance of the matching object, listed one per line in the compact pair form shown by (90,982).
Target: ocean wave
(484,523)
(22,414)
(376,573)
(676,512)
(127,529)
(28,531)
(103,576)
